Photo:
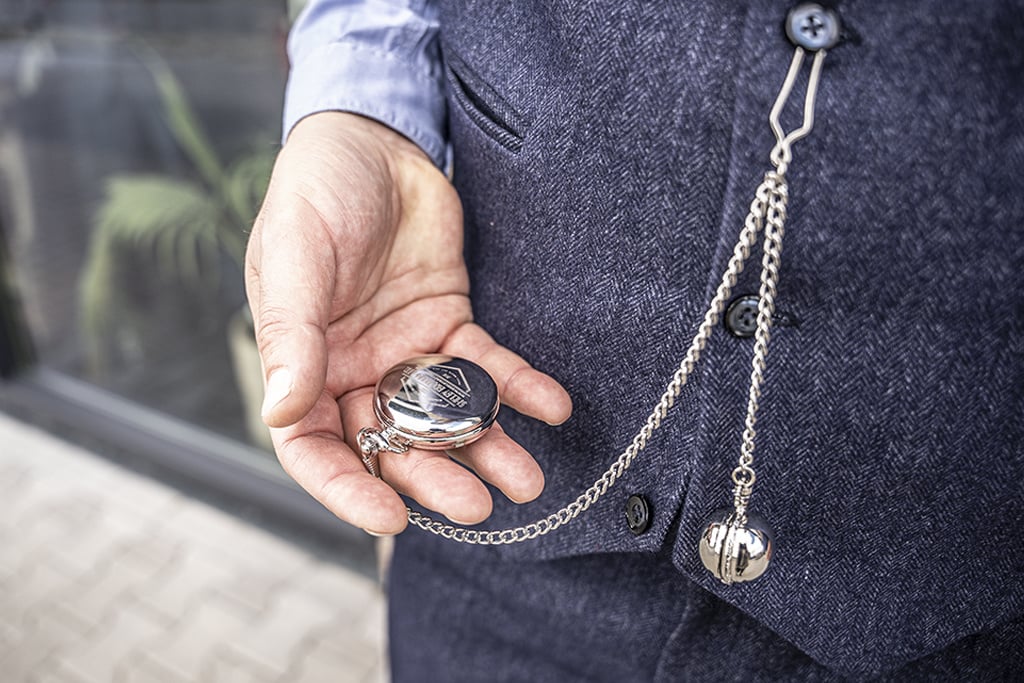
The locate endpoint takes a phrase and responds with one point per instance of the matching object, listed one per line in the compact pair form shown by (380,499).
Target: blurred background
(146,530)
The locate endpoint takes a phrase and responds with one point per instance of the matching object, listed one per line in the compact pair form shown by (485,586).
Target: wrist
(387,144)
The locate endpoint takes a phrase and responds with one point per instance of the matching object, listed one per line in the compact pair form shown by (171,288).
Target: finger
(290,282)
(499,460)
(415,329)
(429,477)
(521,387)
(315,455)
(437,483)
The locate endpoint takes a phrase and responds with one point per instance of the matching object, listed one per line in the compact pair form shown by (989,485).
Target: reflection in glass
(135,143)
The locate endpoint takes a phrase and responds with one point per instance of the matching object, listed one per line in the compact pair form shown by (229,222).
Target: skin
(355,264)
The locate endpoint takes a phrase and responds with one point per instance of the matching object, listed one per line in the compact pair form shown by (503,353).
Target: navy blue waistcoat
(606,152)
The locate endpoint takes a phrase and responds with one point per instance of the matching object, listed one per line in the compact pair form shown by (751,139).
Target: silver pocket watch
(435,402)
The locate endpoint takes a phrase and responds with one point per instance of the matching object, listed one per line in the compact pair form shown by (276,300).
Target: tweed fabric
(618,618)
(606,153)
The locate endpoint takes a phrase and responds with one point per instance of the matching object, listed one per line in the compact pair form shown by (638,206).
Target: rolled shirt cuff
(356,78)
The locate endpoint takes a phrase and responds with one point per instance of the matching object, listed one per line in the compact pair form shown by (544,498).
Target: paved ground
(108,577)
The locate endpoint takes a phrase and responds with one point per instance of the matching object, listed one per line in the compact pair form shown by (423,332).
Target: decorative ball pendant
(736,549)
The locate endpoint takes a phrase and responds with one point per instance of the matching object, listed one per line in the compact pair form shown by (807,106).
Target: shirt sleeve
(377,58)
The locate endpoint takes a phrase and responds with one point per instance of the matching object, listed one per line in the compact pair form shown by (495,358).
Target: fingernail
(463,522)
(278,387)
(377,535)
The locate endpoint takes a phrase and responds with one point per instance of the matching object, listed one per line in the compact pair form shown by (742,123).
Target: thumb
(289,282)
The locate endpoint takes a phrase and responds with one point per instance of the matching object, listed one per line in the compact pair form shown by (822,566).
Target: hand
(355,264)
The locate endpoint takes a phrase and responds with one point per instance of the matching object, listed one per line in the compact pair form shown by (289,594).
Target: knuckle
(272,325)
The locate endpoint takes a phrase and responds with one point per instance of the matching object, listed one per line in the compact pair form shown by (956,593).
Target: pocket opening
(483,105)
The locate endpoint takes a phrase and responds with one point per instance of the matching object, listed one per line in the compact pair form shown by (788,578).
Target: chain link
(775,223)
(767,213)
(763,208)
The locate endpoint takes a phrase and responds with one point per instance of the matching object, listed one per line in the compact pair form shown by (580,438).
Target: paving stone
(88,550)
(252,590)
(228,669)
(51,677)
(60,477)
(378,674)
(15,480)
(349,640)
(275,640)
(97,658)
(148,553)
(31,591)
(234,539)
(323,663)
(43,521)
(138,496)
(364,636)
(107,576)
(10,557)
(193,575)
(356,634)
(129,522)
(9,635)
(349,592)
(192,646)
(41,637)
(41,452)
(259,561)
(94,600)
(136,669)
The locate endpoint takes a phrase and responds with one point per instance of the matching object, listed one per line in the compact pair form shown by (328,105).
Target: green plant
(186,227)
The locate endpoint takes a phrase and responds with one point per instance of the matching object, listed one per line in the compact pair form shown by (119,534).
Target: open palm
(355,264)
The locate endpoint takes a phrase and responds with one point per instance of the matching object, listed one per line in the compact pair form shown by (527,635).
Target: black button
(638,514)
(812,27)
(741,316)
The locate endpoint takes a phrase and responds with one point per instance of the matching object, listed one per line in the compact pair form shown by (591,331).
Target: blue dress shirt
(381,61)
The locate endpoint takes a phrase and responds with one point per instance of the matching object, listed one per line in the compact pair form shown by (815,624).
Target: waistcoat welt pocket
(487,109)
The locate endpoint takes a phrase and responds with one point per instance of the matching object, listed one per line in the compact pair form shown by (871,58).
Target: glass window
(136,139)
